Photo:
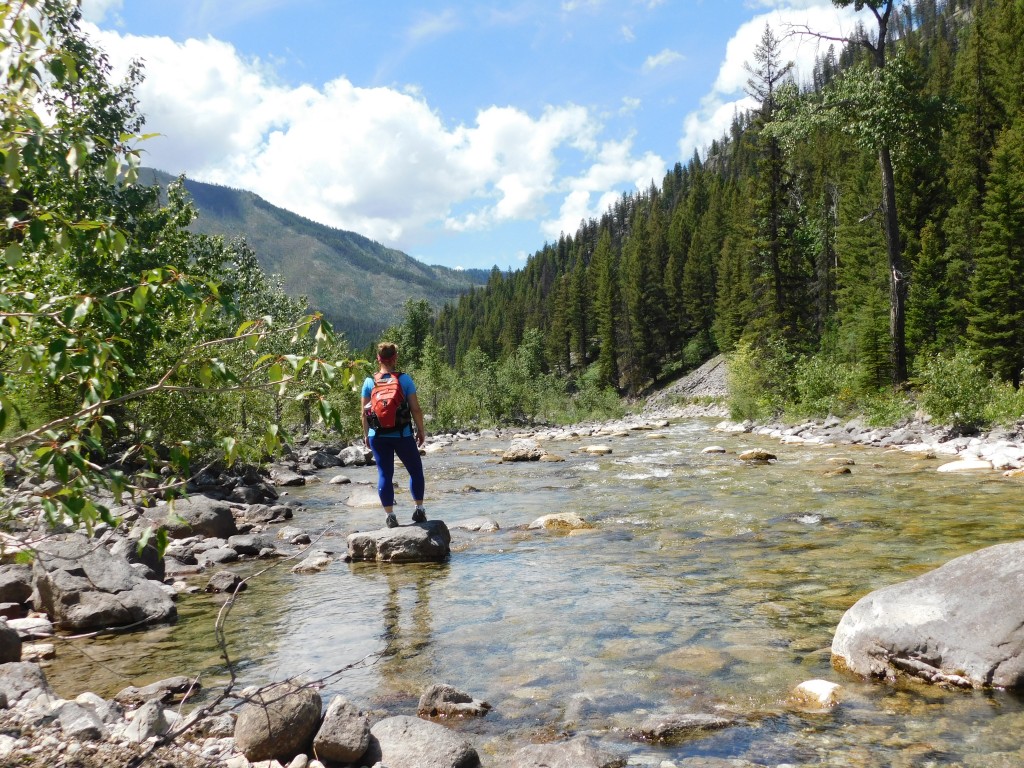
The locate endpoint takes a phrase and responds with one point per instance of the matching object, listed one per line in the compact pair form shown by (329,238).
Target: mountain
(360,285)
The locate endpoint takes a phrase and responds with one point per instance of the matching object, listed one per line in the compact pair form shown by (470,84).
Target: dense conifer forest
(856,230)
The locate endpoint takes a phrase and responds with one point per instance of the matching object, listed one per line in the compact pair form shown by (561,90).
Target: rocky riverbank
(230,519)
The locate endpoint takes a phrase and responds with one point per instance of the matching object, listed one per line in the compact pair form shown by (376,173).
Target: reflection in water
(407,625)
(716,586)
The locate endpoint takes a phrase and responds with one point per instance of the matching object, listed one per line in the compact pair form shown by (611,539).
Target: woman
(398,440)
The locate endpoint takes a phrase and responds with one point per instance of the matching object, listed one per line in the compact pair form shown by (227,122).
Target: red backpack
(388,410)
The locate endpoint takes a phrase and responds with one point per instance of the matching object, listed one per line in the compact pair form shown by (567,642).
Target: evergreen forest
(857,237)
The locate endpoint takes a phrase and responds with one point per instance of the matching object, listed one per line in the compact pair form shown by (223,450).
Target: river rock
(673,726)
(596,450)
(815,695)
(196,515)
(363,497)
(477,524)
(577,753)
(161,690)
(713,449)
(345,733)
(966,465)
(565,521)
(441,700)
(279,722)
(32,627)
(10,644)
(324,460)
(408,742)
(962,623)
(355,456)
(148,556)
(15,583)
(523,449)
(340,480)
(226,581)
(251,544)
(757,455)
(82,586)
(286,477)
(22,682)
(80,722)
(314,562)
(423,542)
(149,720)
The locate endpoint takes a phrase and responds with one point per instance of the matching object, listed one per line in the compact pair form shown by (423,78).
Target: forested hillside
(862,225)
(356,282)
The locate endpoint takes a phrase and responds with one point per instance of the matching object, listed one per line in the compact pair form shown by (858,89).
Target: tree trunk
(897,272)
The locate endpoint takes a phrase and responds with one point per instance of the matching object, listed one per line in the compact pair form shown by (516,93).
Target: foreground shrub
(761,381)
(955,390)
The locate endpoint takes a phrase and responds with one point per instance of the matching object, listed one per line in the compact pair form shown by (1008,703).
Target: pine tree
(606,309)
(996,327)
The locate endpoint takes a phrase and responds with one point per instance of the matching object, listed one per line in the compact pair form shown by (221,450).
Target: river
(706,585)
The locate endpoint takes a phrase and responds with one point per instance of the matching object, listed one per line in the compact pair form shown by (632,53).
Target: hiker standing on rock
(390,407)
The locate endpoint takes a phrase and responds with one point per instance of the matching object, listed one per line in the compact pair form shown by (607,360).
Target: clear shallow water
(706,583)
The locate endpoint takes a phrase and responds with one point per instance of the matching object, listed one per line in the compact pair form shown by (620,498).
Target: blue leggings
(384,451)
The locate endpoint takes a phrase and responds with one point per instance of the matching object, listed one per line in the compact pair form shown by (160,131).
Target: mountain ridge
(360,285)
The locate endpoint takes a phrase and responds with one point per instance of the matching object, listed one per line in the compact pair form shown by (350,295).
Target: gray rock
(15,583)
(283,476)
(323,460)
(109,712)
(149,555)
(408,742)
(577,753)
(251,544)
(670,727)
(216,556)
(962,623)
(441,700)
(279,722)
(523,449)
(225,581)
(196,515)
(355,456)
(162,690)
(82,586)
(80,722)
(423,542)
(10,644)
(478,524)
(149,721)
(22,682)
(345,733)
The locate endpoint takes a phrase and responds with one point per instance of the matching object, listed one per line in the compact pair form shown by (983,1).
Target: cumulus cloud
(379,161)
(662,59)
(98,10)
(788,20)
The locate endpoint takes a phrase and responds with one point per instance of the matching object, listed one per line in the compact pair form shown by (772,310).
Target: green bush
(885,407)
(955,390)
(761,381)
(825,386)
(1006,406)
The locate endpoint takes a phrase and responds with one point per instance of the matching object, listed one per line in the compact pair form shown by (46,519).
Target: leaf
(275,373)
(13,254)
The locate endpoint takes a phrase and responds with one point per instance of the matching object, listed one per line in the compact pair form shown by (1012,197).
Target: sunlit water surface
(706,585)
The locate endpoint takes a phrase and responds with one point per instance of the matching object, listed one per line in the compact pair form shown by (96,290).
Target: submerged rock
(561,521)
(442,700)
(577,753)
(962,624)
(673,726)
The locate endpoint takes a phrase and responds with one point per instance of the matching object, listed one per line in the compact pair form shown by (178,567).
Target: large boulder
(82,586)
(523,449)
(423,542)
(344,735)
(408,742)
(279,722)
(196,515)
(962,623)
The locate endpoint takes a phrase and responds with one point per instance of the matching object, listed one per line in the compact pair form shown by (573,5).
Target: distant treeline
(872,217)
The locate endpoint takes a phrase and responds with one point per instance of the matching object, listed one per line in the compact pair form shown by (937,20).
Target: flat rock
(564,521)
(417,543)
(479,524)
(672,727)
(408,742)
(966,465)
(757,455)
(962,624)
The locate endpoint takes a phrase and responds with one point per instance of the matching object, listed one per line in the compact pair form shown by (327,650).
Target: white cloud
(663,59)
(379,161)
(430,26)
(98,10)
(590,194)
(789,17)
(627,33)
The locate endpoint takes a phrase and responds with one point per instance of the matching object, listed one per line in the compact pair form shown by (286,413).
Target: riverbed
(706,585)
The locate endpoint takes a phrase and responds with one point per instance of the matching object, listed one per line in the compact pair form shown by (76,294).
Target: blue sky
(465,134)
